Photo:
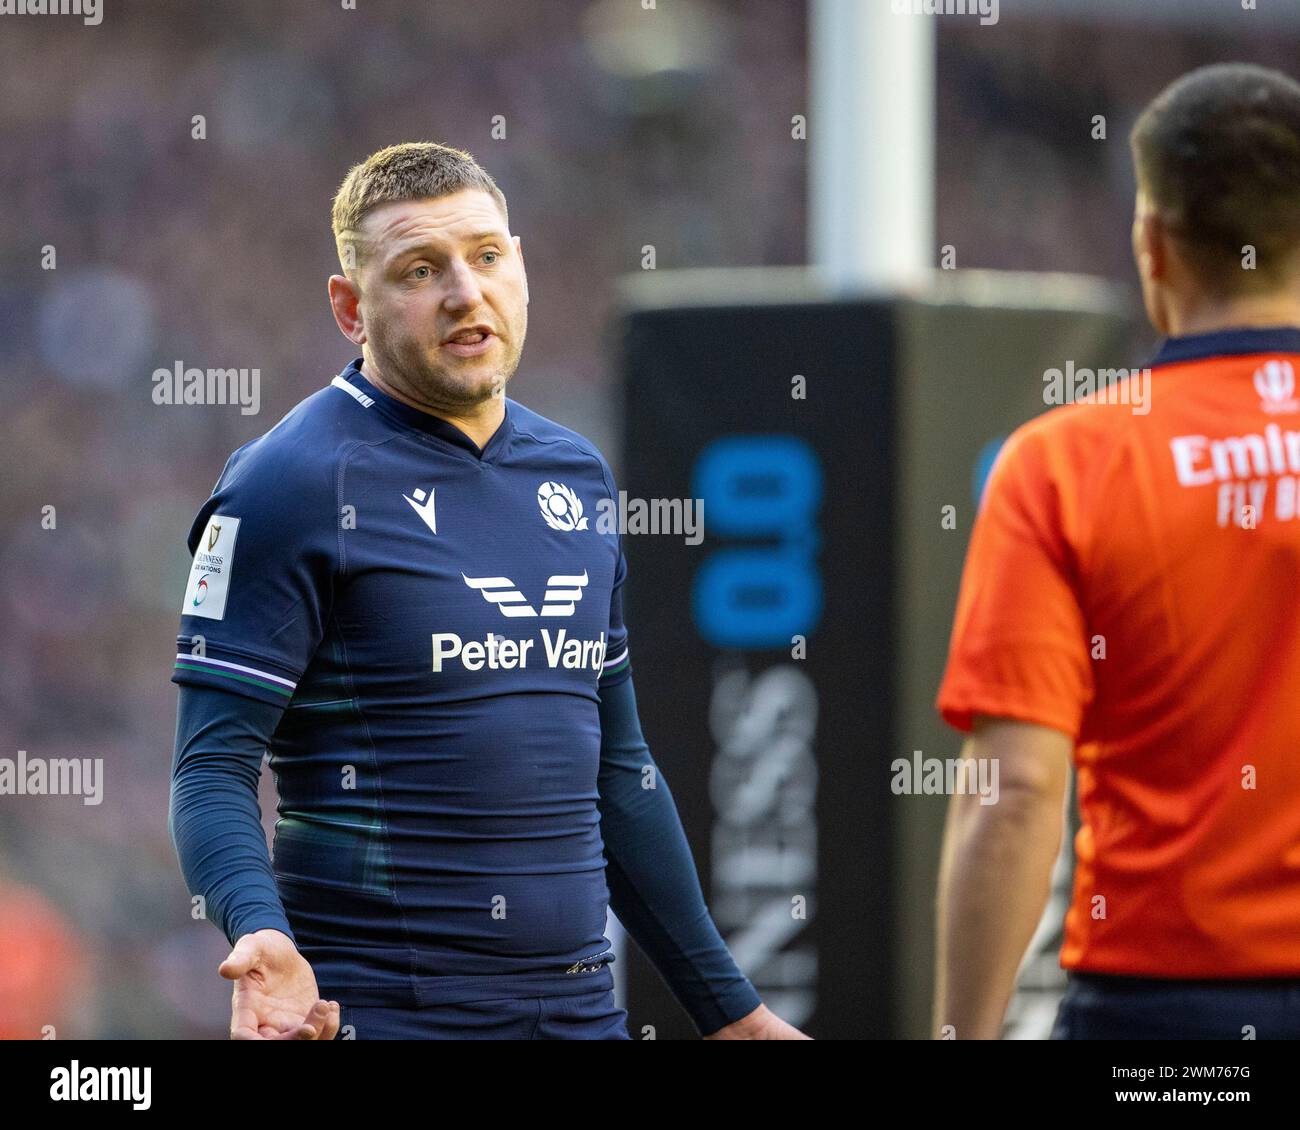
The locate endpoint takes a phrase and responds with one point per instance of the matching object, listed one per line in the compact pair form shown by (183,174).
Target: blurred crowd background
(623,128)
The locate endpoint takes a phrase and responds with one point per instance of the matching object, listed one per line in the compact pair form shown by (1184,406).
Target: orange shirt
(1133,579)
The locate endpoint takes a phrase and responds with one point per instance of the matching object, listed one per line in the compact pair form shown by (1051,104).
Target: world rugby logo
(560,507)
(1275,383)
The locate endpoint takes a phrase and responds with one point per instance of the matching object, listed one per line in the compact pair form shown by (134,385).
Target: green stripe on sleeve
(238,678)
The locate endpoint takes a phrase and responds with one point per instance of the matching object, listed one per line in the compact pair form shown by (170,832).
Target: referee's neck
(1212,315)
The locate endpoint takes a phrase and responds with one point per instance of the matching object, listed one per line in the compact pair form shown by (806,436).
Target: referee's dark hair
(1218,154)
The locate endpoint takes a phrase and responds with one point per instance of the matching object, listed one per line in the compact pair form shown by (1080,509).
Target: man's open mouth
(469,342)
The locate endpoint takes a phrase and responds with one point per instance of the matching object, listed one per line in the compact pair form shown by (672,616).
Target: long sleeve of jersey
(653,885)
(214,819)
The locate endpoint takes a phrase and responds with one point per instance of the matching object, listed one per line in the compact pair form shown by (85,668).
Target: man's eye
(490,257)
(428,272)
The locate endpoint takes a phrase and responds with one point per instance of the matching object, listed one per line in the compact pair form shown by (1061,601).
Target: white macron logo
(562,595)
(424,509)
(560,507)
(1275,383)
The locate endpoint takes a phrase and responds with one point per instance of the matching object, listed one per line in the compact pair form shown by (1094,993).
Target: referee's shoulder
(1084,427)
(1066,448)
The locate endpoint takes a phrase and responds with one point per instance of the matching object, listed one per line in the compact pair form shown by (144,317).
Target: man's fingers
(331,1022)
(313,1024)
(244,1023)
(323,1020)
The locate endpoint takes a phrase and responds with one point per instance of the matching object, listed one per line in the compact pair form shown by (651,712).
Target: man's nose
(463,292)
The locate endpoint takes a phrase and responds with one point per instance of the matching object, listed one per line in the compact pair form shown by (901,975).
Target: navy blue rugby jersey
(437,620)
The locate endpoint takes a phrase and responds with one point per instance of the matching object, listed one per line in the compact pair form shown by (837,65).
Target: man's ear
(519,249)
(1151,240)
(345,301)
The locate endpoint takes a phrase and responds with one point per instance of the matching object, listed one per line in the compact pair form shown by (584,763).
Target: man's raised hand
(275,996)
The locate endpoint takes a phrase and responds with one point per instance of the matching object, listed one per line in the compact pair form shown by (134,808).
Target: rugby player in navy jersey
(402,593)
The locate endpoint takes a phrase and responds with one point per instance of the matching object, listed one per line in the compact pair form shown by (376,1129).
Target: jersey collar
(430,424)
(1227,343)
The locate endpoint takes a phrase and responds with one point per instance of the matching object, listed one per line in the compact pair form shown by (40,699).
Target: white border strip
(236,667)
(354,392)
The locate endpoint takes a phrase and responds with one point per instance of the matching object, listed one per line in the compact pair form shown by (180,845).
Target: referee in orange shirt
(1131,605)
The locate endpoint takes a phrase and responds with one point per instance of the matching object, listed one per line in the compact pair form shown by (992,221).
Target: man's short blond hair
(413,170)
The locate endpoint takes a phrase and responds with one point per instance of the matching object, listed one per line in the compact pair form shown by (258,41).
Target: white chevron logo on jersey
(424,508)
(562,594)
